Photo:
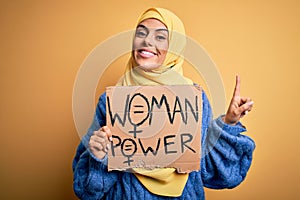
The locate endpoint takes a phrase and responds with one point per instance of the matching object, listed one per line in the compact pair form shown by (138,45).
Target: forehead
(153,24)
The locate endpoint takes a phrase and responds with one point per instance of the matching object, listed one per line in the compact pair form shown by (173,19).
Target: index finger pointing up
(237,86)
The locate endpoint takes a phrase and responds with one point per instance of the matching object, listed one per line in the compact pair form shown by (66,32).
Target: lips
(145,53)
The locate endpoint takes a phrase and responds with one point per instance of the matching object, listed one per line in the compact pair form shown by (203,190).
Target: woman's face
(150,44)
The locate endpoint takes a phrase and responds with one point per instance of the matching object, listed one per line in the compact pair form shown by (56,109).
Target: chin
(148,66)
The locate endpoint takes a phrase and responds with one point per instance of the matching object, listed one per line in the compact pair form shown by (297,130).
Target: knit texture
(226,158)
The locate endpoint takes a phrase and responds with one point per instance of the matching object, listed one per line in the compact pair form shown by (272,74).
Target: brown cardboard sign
(154,127)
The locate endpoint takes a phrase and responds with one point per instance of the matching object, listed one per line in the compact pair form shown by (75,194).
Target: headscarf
(170,73)
(162,181)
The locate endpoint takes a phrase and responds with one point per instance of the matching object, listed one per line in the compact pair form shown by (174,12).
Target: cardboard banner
(154,127)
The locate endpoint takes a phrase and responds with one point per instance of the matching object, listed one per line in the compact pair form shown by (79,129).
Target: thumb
(108,132)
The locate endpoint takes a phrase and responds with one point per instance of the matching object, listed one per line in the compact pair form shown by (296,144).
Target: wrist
(225,120)
(99,158)
(230,128)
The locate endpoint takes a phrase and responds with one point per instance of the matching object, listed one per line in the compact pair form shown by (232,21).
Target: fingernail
(251,103)
(110,138)
(246,112)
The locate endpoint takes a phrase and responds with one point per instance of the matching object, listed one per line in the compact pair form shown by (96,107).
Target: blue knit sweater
(226,158)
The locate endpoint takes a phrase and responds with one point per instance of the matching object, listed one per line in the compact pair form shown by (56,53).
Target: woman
(227,154)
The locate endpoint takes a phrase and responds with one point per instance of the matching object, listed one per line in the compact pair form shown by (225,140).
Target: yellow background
(43,44)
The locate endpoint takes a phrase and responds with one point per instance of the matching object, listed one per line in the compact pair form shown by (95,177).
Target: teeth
(147,53)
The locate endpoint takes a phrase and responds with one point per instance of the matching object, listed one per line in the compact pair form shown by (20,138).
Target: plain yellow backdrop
(43,44)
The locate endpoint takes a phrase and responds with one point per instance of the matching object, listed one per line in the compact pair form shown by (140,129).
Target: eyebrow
(160,29)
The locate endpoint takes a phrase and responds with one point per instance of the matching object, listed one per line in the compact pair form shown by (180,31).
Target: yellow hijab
(170,73)
(162,181)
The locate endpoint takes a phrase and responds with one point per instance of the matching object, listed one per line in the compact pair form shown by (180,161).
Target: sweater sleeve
(226,153)
(91,180)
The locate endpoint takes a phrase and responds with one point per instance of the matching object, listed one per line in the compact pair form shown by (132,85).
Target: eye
(161,37)
(141,33)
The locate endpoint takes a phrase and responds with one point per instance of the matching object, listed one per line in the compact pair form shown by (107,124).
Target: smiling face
(150,44)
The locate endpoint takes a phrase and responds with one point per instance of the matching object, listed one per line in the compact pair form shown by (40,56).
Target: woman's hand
(239,106)
(100,142)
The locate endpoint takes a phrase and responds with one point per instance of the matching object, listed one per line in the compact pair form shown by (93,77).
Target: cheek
(162,46)
(135,44)
(163,54)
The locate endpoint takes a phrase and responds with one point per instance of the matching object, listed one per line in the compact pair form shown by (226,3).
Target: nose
(149,40)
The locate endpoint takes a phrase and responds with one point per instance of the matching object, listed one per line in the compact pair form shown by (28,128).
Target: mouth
(145,53)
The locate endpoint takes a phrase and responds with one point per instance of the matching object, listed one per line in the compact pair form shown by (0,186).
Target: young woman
(226,153)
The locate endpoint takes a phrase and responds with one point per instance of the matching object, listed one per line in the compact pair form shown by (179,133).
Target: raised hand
(100,142)
(239,106)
